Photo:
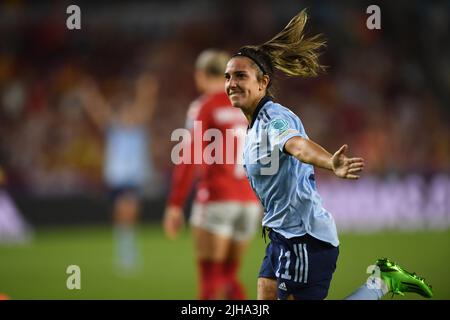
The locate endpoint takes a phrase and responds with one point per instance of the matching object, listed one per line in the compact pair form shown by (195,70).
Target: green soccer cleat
(400,281)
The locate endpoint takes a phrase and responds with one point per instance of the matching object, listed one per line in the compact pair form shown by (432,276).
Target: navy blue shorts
(130,190)
(303,266)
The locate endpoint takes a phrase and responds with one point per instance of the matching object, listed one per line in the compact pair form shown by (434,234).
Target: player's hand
(347,168)
(173,221)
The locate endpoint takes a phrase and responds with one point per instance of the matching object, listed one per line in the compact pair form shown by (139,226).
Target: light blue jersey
(285,185)
(127,158)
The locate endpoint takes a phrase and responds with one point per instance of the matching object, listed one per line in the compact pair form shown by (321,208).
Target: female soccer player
(279,159)
(226,212)
(127,161)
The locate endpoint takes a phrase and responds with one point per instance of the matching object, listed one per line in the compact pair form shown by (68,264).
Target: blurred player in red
(226,213)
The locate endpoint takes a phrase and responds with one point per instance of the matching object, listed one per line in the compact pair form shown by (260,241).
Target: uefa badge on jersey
(279,128)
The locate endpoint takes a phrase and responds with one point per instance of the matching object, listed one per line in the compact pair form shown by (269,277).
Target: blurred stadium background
(386,94)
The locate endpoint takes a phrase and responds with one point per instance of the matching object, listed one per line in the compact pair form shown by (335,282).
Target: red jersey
(226,179)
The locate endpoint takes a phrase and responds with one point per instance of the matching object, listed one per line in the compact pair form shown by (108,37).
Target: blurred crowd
(385,92)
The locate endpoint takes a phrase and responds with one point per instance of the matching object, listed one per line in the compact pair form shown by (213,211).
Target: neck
(249,112)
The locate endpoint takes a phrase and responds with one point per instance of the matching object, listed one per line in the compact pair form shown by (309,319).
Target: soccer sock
(233,288)
(125,246)
(211,279)
(373,289)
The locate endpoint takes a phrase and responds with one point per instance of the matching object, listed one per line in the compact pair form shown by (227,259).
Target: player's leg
(267,280)
(212,237)
(267,289)
(245,226)
(234,290)
(126,208)
(125,215)
(210,250)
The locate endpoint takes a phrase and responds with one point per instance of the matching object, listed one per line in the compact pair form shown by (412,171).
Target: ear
(264,82)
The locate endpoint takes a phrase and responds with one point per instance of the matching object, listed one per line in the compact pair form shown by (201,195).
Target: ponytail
(289,51)
(293,53)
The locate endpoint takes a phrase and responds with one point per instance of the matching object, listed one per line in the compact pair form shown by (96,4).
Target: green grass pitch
(167,271)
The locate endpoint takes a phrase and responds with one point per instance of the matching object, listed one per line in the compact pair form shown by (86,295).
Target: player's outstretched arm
(95,105)
(310,152)
(146,91)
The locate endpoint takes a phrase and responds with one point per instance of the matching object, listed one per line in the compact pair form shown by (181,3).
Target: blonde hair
(293,53)
(213,62)
(290,51)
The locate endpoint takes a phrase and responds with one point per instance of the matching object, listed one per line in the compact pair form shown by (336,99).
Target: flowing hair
(293,53)
(290,51)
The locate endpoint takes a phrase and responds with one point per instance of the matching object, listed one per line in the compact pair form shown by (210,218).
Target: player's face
(241,83)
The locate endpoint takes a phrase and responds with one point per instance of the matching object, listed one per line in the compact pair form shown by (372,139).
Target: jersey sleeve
(184,174)
(282,126)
